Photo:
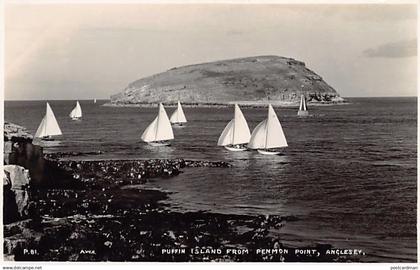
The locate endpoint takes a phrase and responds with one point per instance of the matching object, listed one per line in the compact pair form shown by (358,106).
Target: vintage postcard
(210,132)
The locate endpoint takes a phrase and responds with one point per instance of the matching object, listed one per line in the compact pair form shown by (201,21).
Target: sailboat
(94,100)
(268,135)
(236,134)
(178,116)
(48,127)
(76,113)
(303,111)
(159,132)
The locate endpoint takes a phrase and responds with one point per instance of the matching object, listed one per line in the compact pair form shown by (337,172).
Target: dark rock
(16,133)
(17,176)
(16,183)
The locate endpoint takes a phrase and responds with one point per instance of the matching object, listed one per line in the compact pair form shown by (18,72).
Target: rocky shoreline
(262,104)
(100,210)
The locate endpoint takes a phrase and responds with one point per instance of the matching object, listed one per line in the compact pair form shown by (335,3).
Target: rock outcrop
(16,133)
(16,183)
(19,155)
(16,141)
(19,150)
(253,80)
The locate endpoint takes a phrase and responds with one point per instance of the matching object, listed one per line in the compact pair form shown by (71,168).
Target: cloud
(405,48)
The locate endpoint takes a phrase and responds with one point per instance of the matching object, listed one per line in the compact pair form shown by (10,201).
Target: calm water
(349,172)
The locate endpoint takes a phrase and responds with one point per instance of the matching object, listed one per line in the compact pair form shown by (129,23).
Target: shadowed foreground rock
(16,183)
(108,215)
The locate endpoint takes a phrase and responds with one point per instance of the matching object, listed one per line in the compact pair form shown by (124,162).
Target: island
(251,81)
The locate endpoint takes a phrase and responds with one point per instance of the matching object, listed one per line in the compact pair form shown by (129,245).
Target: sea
(349,174)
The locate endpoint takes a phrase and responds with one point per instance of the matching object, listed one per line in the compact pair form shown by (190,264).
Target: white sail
(302,106)
(77,111)
(268,133)
(41,131)
(149,135)
(227,134)
(94,100)
(49,125)
(275,135)
(178,115)
(258,136)
(241,132)
(163,127)
(160,129)
(236,131)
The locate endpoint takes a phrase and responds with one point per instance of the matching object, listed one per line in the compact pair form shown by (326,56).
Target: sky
(83,51)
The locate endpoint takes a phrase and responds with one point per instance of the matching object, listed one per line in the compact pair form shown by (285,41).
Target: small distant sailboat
(268,135)
(94,100)
(49,126)
(236,134)
(76,113)
(178,116)
(159,132)
(303,110)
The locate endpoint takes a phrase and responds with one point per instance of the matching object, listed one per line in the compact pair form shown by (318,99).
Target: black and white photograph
(210,132)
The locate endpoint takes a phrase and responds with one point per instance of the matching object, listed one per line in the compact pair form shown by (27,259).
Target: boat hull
(159,143)
(236,148)
(269,152)
(178,125)
(47,138)
(76,118)
(303,113)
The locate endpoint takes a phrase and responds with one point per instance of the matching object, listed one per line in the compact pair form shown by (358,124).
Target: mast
(234,122)
(267,126)
(157,126)
(178,111)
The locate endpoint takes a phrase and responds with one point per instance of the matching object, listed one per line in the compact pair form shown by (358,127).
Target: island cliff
(251,80)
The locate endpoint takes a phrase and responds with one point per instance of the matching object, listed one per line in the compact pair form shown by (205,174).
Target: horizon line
(110,99)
